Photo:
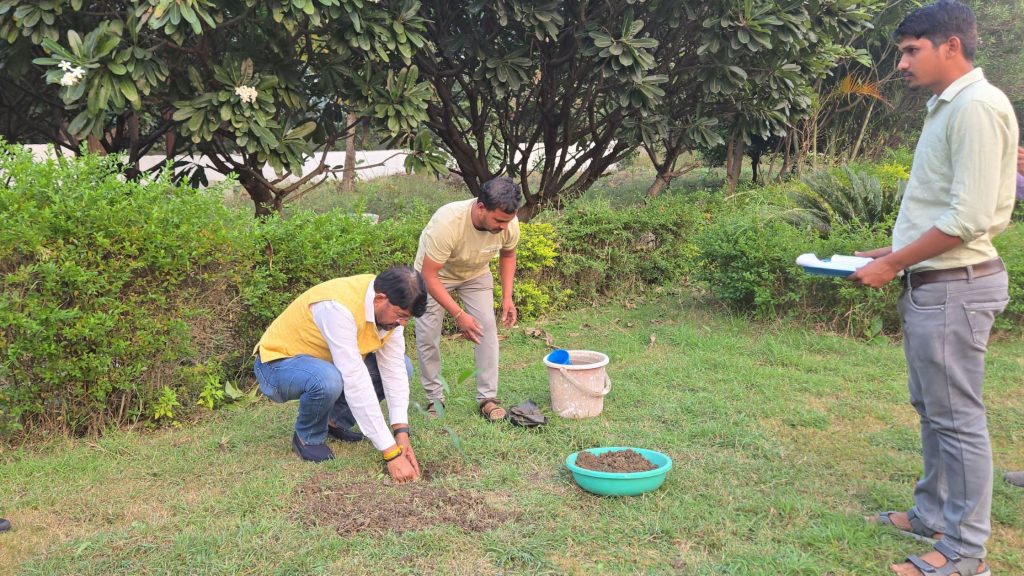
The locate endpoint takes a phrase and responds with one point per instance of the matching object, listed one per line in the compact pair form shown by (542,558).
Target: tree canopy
(245,82)
(557,89)
(566,89)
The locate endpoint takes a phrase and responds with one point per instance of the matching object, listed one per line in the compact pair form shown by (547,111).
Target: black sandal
(955,563)
(918,531)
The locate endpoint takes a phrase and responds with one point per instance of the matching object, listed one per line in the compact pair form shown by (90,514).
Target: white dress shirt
(338,327)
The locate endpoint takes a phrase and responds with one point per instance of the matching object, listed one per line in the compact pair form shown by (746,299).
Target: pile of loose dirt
(378,506)
(614,461)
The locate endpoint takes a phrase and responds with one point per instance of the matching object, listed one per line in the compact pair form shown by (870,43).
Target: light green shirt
(964,173)
(465,252)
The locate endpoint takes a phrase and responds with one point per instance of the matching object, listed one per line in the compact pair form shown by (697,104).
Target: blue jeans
(319,388)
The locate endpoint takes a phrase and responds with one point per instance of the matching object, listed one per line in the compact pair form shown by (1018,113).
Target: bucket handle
(580,388)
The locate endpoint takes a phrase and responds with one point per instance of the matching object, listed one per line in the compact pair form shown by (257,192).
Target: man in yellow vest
(454,255)
(339,349)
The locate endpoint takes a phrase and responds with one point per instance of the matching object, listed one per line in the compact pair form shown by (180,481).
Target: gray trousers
(477,296)
(946,327)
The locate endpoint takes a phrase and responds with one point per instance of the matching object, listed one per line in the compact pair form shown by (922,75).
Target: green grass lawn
(782,438)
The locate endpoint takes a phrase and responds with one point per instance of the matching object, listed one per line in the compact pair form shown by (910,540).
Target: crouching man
(339,349)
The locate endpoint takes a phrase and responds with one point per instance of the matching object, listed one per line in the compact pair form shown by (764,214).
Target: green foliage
(747,258)
(101,278)
(849,196)
(273,85)
(1010,245)
(424,157)
(165,404)
(237,397)
(537,290)
(212,394)
(125,301)
(618,250)
(664,75)
(533,301)
(294,254)
(537,247)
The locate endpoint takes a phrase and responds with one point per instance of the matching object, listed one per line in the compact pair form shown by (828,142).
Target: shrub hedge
(104,285)
(126,302)
(606,250)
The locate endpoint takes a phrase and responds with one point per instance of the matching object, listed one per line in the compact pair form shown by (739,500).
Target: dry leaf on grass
(538,333)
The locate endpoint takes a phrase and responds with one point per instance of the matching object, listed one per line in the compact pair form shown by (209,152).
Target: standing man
(454,255)
(960,195)
(339,348)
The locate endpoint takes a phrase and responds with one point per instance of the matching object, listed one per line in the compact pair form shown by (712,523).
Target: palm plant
(845,197)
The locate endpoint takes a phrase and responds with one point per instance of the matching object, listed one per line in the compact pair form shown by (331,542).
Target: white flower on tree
(247,94)
(72,74)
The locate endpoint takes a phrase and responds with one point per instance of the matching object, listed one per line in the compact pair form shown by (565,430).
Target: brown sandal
(433,410)
(491,410)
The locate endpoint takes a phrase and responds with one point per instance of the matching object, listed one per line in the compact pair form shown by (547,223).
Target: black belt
(988,268)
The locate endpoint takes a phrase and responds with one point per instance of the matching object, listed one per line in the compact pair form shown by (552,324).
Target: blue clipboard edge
(827,272)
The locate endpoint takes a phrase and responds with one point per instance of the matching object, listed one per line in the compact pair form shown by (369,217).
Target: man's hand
(402,439)
(509,314)
(401,470)
(469,327)
(874,274)
(876,253)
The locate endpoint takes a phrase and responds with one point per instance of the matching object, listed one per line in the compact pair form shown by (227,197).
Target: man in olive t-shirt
(454,256)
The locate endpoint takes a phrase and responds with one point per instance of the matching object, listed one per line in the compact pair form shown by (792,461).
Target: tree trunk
(793,159)
(263,197)
(728,156)
(814,143)
(657,186)
(860,135)
(169,138)
(528,210)
(95,146)
(666,174)
(734,164)
(134,168)
(348,177)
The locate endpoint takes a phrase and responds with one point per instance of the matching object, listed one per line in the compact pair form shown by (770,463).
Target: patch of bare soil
(614,461)
(379,507)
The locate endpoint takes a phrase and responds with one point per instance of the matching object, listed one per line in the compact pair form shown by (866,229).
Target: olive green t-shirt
(464,252)
(964,173)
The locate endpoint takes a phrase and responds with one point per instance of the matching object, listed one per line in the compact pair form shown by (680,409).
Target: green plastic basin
(620,483)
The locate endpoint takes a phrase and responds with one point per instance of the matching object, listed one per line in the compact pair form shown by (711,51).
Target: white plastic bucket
(578,388)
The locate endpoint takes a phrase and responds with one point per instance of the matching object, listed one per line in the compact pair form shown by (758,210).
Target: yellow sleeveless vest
(294,332)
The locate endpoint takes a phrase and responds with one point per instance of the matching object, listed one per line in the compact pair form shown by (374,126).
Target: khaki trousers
(477,296)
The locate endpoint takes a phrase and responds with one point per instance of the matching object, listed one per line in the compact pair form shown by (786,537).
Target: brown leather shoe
(491,410)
